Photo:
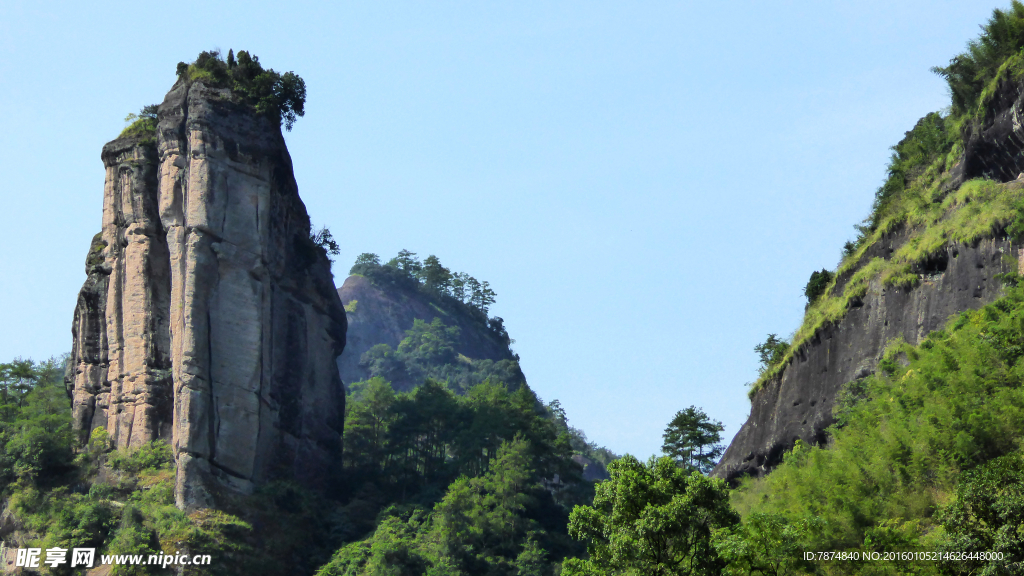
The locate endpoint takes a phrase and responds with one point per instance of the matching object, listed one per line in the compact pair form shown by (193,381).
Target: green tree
(692,440)
(968,73)
(325,240)
(281,97)
(767,544)
(987,515)
(481,295)
(435,276)
(17,378)
(432,343)
(817,284)
(652,519)
(406,262)
(771,352)
(458,286)
(366,259)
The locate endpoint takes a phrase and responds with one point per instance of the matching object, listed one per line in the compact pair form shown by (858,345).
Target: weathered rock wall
(209,318)
(382,316)
(798,404)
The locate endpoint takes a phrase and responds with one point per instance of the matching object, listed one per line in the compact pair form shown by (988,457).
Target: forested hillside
(452,464)
(409,320)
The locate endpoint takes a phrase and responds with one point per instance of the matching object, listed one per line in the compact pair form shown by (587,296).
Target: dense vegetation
(141,125)
(916,198)
(120,502)
(415,458)
(428,351)
(455,290)
(893,476)
(280,97)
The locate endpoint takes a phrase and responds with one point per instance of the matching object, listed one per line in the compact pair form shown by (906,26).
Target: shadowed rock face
(381,316)
(209,318)
(798,404)
(994,146)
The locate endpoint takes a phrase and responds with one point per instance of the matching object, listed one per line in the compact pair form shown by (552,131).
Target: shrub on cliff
(142,124)
(817,284)
(281,97)
(428,351)
(454,290)
(771,352)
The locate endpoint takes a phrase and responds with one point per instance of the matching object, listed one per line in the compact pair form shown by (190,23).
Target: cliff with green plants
(409,320)
(944,227)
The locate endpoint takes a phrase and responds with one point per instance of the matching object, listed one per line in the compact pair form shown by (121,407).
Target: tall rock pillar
(230,309)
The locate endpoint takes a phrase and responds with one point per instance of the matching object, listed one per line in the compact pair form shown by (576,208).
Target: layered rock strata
(797,404)
(209,318)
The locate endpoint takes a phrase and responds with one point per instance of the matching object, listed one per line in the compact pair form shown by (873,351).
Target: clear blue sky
(646,185)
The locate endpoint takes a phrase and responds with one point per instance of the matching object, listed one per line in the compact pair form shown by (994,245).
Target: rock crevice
(209,318)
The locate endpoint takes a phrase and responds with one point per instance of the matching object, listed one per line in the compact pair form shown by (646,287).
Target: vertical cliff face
(797,405)
(209,318)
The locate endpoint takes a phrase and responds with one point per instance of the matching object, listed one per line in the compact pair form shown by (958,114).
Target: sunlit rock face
(797,404)
(209,318)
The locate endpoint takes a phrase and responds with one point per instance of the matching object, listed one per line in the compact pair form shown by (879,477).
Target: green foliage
(366,259)
(932,411)
(131,538)
(150,456)
(419,440)
(281,97)
(817,285)
(428,351)
(767,544)
(692,440)
(141,125)
(486,524)
(325,240)
(917,197)
(978,209)
(651,518)
(771,352)
(930,139)
(969,73)
(37,445)
(987,515)
(455,289)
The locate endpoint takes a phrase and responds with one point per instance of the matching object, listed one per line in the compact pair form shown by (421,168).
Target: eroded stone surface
(798,404)
(209,318)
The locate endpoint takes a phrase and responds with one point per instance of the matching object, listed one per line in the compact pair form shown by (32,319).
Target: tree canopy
(653,518)
(281,97)
(692,440)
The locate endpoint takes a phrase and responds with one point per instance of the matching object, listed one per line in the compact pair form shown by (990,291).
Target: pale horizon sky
(646,186)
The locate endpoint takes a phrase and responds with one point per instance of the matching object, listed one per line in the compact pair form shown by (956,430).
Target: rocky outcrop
(209,318)
(797,405)
(381,316)
(994,143)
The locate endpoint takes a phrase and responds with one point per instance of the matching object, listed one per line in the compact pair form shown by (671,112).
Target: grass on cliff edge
(915,195)
(978,209)
(892,477)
